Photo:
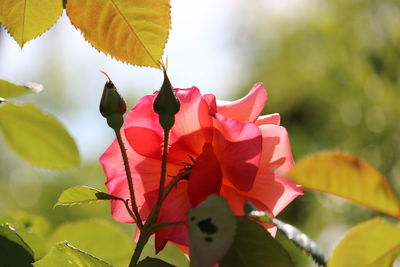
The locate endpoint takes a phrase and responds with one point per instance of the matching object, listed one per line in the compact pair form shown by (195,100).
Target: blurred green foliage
(332,70)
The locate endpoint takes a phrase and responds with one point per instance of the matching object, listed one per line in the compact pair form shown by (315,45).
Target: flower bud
(112,106)
(166,104)
(111,101)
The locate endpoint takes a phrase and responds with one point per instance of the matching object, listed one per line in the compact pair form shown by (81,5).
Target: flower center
(184,173)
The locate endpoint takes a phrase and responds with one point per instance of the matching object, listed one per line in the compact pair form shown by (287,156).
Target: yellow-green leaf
(82,194)
(8,89)
(97,237)
(27,19)
(37,137)
(131,31)
(375,243)
(64,254)
(344,175)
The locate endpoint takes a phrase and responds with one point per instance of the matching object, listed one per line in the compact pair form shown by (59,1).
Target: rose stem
(129,178)
(152,218)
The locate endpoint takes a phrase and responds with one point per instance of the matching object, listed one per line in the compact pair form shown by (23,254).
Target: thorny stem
(147,228)
(163,169)
(143,239)
(136,214)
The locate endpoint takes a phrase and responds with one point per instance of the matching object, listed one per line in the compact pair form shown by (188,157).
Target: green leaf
(374,243)
(152,262)
(32,228)
(82,194)
(8,89)
(211,231)
(170,253)
(300,239)
(37,137)
(63,255)
(131,31)
(346,176)
(13,249)
(254,246)
(27,19)
(97,237)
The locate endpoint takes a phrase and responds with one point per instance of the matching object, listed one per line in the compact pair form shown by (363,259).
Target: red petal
(206,176)
(247,108)
(143,130)
(277,155)
(238,149)
(145,175)
(269,119)
(174,209)
(192,127)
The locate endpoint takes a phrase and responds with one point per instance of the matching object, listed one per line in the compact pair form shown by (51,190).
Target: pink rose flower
(217,147)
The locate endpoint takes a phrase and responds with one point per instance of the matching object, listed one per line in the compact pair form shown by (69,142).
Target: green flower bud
(112,105)
(111,101)
(166,104)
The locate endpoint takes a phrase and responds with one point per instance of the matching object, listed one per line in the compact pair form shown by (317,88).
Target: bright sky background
(199,50)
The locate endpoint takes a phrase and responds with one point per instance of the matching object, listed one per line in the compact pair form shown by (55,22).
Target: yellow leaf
(374,243)
(27,19)
(346,176)
(131,31)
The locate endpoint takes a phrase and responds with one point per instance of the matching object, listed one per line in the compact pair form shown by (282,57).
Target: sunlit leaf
(131,31)
(8,89)
(211,231)
(27,19)
(32,228)
(37,137)
(346,176)
(96,237)
(254,246)
(63,254)
(13,249)
(170,253)
(375,243)
(82,194)
(152,262)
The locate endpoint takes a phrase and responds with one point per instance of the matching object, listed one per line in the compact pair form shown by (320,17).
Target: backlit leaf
(97,237)
(27,19)
(253,246)
(170,253)
(63,254)
(37,137)
(13,250)
(152,262)
(346,176)
(211,231)
(32,228)
(8,89)
(82,194)
(375,243)
(131,31)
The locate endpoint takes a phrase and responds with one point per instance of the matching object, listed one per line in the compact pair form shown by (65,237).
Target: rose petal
(274,118)
(192,127)
(238,148)
(272,193)
(246,109)
(206,176)
(142,129)
(277,155)
(174,209)
(145,174)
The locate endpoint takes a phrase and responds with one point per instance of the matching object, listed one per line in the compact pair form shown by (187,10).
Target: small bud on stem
(166,104)
(112,105)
